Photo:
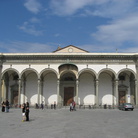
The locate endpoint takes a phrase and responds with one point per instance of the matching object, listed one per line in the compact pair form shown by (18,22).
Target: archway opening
(10,87)
(126,87)
(67,88)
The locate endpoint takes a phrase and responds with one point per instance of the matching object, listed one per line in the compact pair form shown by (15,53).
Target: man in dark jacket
(7,106)
(27,111)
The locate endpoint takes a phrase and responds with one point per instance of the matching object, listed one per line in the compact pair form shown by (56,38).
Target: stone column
(116,92)
(58,93)
(77,93)
(19,92)
(0,84)
(41,91)
(7,89)
(38,96)
(132,91)
(97,92)
(136,83)
(136,93)
(24,90)
(1,91)
(113,87)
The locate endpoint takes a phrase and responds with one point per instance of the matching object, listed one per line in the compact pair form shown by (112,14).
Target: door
(122,97)
(68,95)
(15,97)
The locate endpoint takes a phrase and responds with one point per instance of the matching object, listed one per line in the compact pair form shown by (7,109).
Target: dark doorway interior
(68,95)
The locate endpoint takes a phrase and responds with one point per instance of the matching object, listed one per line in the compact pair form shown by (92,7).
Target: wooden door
(122,97)
(15,97)
(68,95)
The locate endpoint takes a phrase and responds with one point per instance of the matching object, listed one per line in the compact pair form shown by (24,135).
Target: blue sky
(30,26)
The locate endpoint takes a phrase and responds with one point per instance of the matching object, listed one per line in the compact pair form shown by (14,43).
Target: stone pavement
(61,123)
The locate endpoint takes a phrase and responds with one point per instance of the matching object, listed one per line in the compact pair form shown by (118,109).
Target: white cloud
(103,8)
(26,47)
(33,6)
(119,31)
(114,8)
(68,7)
(57,35)
(30,29)
(34,20)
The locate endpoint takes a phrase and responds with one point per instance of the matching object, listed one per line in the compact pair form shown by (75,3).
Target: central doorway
(68,95)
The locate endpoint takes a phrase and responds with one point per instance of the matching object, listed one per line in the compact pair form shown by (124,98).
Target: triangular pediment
(70,49)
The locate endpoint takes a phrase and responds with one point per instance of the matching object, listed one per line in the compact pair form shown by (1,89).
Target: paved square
(61,123)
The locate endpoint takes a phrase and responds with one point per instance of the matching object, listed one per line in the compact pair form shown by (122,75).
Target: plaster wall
(86,89)
(105,89)
(50,88)
(31,88)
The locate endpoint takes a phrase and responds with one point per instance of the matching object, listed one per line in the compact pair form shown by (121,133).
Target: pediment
(70,49)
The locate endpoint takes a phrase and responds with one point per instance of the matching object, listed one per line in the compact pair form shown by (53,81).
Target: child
(71,107)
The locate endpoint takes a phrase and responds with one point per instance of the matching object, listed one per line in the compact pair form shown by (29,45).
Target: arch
(68,67)
(91,71)
(48,70)
(29,69)
(65,72)
(9,69)
(105,70)
(124,70)
(127,92)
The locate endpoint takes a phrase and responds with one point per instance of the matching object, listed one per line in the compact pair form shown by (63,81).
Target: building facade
(67,74)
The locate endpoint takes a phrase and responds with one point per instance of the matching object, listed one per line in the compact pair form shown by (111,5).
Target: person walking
(23,111)
(55,105)
(7,106)
(27,111)
(74,105)
(42,106)
(3,107)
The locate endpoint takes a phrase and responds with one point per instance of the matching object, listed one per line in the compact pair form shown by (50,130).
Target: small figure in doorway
(36,106)
(42,106)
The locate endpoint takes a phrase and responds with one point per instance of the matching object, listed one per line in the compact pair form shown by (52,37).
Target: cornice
(53,56)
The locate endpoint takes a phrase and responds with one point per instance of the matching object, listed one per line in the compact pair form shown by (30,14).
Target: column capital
(77,82)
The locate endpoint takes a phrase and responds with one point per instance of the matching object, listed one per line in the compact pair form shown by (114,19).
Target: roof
(70,49)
